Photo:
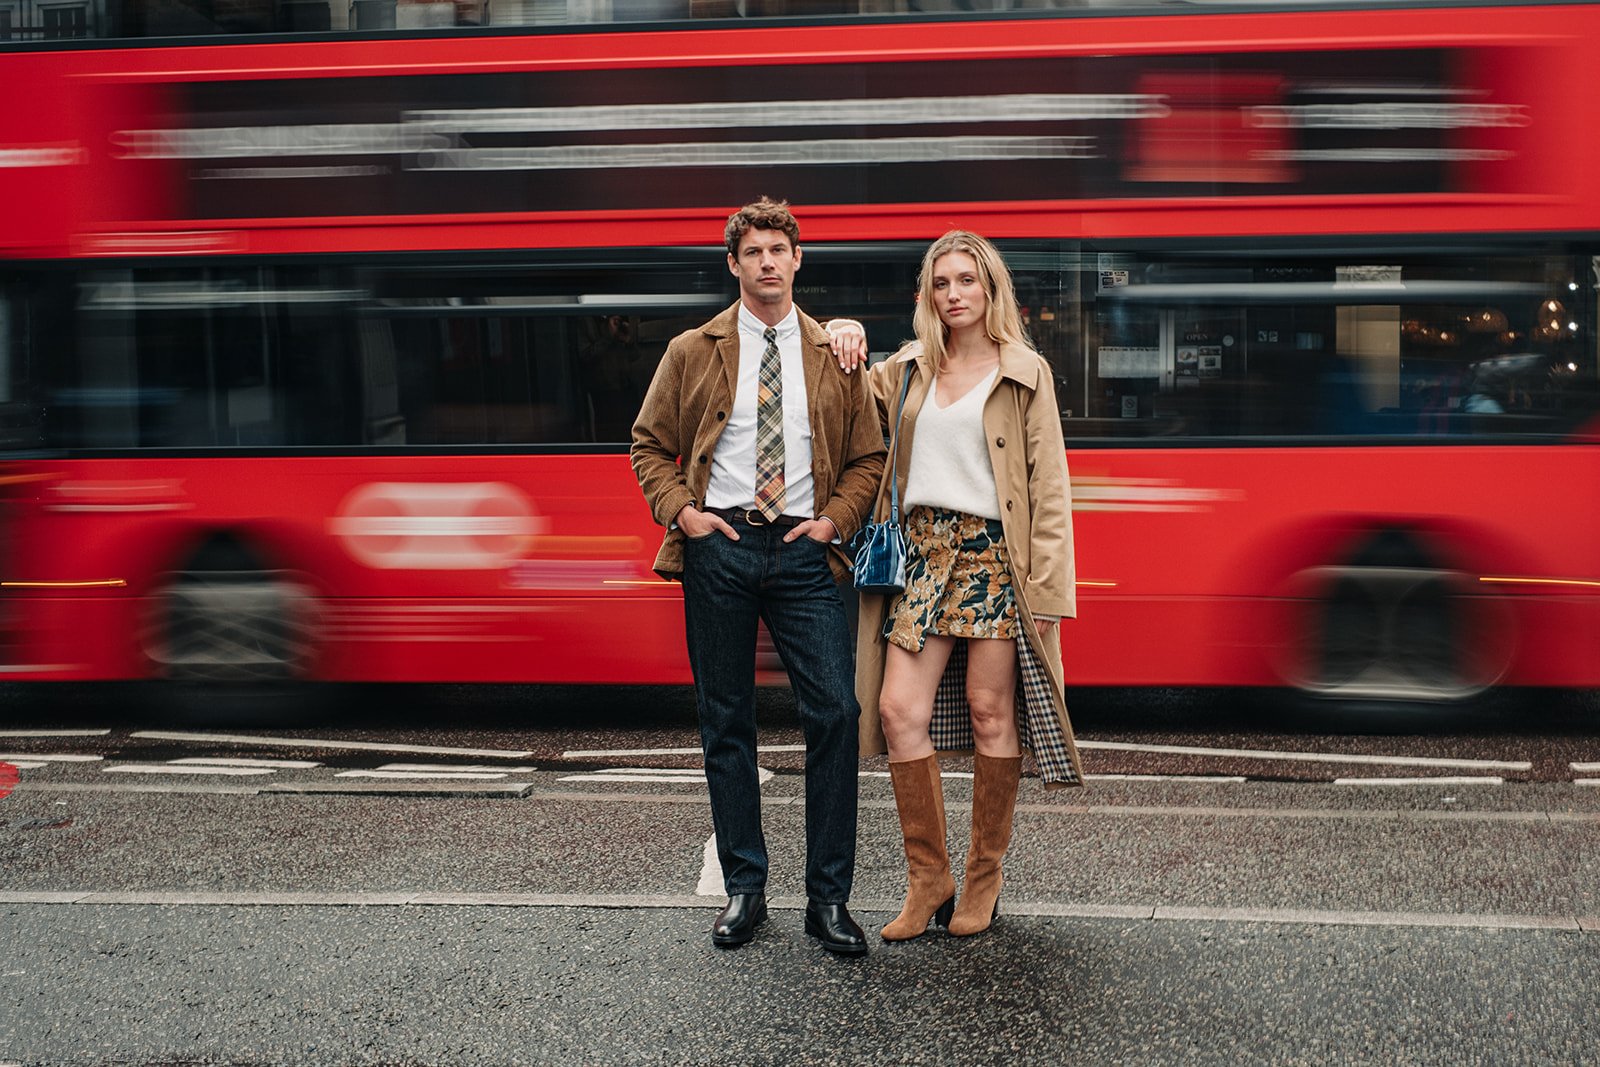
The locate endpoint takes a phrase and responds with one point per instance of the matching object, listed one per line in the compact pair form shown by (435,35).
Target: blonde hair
(1002,321)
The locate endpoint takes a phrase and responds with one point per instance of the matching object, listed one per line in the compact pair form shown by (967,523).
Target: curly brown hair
(764,214)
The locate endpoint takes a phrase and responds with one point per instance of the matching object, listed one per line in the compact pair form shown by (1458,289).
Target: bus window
(184,358)
(1275,347)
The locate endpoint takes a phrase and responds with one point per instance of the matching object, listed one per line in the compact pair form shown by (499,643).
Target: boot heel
(941,918)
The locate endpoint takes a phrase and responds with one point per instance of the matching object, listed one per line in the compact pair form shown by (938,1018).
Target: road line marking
(710,884)
(1483,780)
(942,774)
(167,768)
(654,774)
(453,767)
(1310,757)
(54,733)
(459,776)
(1103,777)
(412,787)
(48,757)
(313,742)
(594,753)
(698,903)
(1318,917)
(1584,767)
(1216,778)
(25,765)
(1586,781)
(629,778)
(206,761)
(193,788)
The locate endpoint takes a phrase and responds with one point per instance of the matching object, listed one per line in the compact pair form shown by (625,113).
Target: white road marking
(167,768)
(710,884)
(942,774)
(48,757)
(1483,780)
(25,764)
(313,742)
(461,776)
(1122,912)
(54,733)
(1216,778)
(206,761)
(1311,757)
(1586,781)
(481,768)
(688,776)
(1101,777)
(598,753)
(1581,768)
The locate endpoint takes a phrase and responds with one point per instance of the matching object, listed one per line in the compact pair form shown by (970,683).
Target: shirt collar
(787,328)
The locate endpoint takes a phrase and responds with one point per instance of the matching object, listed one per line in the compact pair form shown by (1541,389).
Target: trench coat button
(1000,442)
(721,415)
(702,459)
(1008,505)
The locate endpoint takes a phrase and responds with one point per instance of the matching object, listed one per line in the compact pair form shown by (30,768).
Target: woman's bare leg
(992,695)
(905,704)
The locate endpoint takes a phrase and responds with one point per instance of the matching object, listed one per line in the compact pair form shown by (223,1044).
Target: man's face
(765,266)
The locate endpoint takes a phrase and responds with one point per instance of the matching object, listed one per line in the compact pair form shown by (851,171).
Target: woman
(968,657)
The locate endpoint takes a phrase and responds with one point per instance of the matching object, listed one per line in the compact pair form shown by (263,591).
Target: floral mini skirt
(958,580)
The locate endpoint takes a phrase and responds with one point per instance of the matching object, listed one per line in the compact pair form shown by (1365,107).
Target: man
(780,459)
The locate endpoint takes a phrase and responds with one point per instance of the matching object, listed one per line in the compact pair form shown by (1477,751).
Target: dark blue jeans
(727,586)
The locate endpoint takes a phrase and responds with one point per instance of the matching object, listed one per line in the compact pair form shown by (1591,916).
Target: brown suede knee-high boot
(919,795)
(994,800)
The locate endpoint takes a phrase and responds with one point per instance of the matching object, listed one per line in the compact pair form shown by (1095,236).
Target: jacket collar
(815,351)
(1017,362)
(726,325)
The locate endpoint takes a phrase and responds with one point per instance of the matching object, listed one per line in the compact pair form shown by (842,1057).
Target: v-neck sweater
(950,465)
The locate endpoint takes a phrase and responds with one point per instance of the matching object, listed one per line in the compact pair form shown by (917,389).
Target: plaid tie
(769,431)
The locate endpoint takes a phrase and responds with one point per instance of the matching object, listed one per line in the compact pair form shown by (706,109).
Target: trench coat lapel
(816,356)
(921,369)
(725,328)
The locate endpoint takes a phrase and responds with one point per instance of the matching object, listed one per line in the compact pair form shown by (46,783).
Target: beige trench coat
(1022,425)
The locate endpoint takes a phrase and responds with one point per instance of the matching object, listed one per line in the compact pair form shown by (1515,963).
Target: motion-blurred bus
(323,325)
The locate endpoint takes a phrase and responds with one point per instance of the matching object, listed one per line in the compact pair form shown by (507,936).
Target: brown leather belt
(755,518)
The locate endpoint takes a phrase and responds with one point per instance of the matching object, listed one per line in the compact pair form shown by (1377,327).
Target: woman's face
(958,293)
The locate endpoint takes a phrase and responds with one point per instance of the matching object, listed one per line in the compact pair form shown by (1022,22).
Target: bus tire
(228,627)
(1392,627)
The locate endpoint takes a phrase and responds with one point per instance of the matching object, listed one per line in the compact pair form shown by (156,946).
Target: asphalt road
(529,884)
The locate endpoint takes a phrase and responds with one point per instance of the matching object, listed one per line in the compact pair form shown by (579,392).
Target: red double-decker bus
(321,349)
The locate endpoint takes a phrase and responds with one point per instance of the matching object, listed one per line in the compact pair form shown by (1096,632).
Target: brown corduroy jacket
(687,407)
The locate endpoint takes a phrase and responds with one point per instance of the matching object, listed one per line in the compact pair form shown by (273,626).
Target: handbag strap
(894,444)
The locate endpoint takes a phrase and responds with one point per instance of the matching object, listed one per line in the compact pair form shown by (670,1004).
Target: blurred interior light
(1572,366)
(1572,326)
(1510,579)
(1486,320)
(1573,286)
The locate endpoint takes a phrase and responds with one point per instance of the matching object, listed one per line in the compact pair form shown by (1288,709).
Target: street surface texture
(532,884)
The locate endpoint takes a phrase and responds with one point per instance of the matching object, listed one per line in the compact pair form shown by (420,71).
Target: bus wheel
(1392,626)
(230,626)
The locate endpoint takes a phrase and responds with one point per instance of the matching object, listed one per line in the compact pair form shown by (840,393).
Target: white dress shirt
(733,461)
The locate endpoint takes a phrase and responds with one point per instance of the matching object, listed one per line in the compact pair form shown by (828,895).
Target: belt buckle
(755,518)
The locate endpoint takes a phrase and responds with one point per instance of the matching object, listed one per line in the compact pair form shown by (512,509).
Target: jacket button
(1008,505)
(702,459)
(1000,442)
(721,416)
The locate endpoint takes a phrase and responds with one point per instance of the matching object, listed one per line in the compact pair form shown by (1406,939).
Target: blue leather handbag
(880,565)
